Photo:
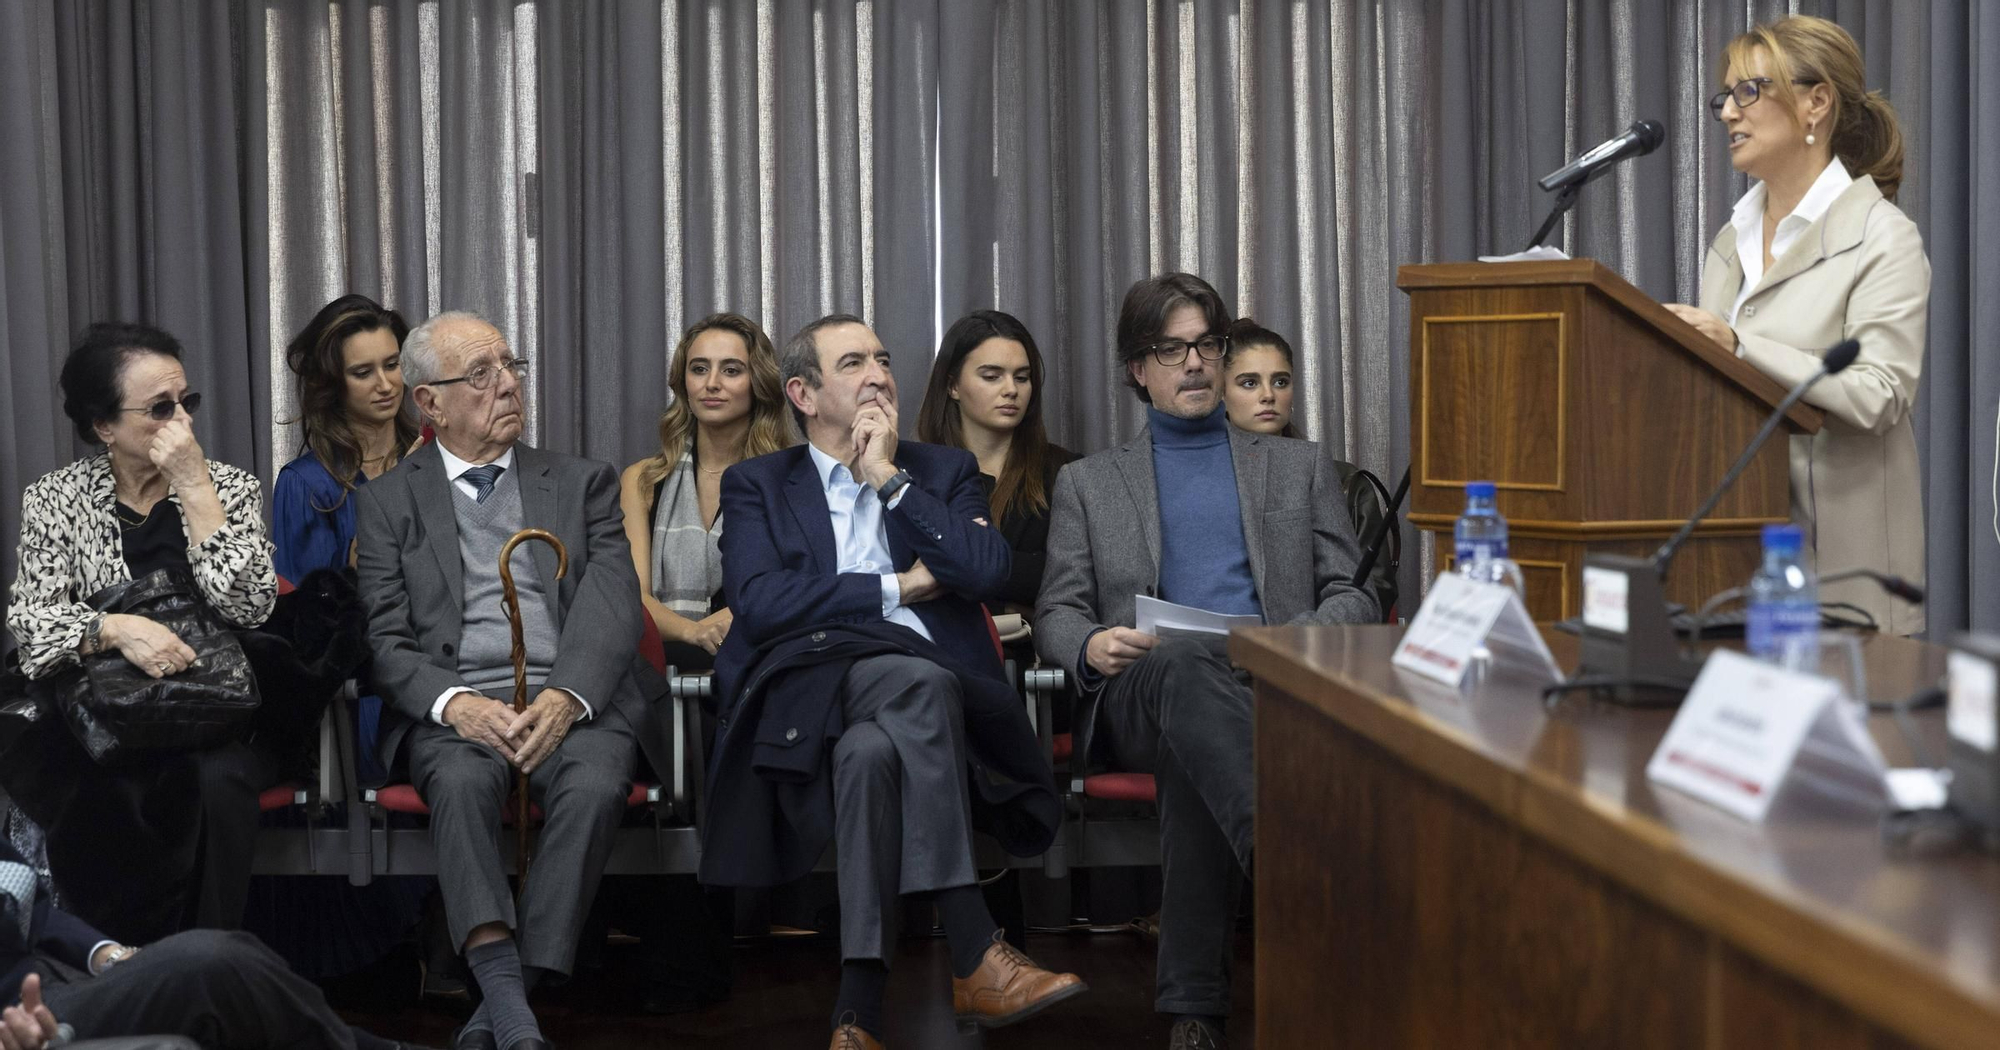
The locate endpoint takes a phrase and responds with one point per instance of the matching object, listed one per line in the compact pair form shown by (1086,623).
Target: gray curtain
(1296,154)
(122,198)
(392,147)
(773,158)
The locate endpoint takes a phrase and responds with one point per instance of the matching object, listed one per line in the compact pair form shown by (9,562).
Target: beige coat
(1859,272)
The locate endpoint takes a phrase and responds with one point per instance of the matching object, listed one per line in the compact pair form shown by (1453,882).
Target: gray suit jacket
(1104,540)
(413,586)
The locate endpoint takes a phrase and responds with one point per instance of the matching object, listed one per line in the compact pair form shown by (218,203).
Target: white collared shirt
(861,536)
(1748,219)
(454,470)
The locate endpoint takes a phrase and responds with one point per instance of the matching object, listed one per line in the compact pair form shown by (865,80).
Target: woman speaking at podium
(1815,253)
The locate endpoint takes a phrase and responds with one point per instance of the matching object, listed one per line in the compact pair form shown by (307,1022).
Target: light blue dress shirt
(861,537)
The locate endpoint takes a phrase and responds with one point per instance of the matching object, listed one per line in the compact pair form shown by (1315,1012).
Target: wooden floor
(784,995)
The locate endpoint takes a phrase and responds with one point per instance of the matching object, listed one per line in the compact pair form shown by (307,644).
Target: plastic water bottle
(1480,539)
(1783,625)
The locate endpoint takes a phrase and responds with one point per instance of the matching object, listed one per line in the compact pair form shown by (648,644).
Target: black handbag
(120,714)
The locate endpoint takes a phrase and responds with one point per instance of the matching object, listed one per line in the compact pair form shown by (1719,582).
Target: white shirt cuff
(90,960)
(437,709)
(444,699)
(898,497)
(588,711)
(892,594)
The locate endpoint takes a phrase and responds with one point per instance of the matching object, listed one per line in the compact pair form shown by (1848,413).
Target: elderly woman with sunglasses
(127,863)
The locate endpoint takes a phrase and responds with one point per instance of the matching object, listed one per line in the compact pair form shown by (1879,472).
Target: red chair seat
(286,794)
(1122,787)
(403,798)
(1061,745)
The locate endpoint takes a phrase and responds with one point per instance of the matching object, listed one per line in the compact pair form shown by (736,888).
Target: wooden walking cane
(511,602)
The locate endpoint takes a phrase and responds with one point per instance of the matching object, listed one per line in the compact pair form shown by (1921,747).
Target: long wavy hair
(770,428)
(1020,489)
(317,355)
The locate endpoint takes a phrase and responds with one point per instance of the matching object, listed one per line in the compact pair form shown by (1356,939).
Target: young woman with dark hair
(984,396)
(348,361)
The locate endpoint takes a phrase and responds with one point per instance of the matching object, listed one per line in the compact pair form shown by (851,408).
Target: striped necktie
(483,479)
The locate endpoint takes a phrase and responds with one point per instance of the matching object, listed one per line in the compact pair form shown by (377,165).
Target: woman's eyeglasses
(162,410)
(1746,93)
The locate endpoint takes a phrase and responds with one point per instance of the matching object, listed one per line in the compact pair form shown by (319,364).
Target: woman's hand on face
(1707,324)
(178,456)
(147,645)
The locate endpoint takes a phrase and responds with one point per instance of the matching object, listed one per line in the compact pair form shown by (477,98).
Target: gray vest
(485,653)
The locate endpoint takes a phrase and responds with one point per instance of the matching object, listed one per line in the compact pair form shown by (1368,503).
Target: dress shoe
(532,1044)
(849,1036)
(1190,1034)
(474,1039)
(1008,987)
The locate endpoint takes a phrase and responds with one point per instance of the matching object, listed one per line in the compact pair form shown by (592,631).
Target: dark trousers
(581,788)
(1182,714)
(183,826)
(902,809)
(225,991)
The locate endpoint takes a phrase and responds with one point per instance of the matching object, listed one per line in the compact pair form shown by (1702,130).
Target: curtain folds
(774,159)
(594,177)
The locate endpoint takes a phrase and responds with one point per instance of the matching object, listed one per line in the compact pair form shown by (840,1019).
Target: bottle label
(1775,629)
(1472,553)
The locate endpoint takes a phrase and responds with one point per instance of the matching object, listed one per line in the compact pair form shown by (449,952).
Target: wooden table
(1437,869)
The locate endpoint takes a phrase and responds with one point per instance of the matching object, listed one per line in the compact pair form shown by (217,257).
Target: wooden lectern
(1602,419)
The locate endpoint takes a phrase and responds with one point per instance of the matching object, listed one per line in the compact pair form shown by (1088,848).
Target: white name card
(1747,726)
(1463,619)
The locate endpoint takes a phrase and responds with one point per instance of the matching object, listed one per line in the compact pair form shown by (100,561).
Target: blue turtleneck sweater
(1204,561)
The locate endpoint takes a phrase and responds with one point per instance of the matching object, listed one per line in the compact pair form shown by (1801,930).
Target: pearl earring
(1810,140)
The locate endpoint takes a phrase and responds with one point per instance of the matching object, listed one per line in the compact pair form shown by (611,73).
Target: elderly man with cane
(429,540)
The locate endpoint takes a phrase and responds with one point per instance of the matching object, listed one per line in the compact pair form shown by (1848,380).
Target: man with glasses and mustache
(1224,520)
(428,538)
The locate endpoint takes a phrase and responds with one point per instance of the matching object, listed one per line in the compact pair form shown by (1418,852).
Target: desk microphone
(1631,647)
(1834,360)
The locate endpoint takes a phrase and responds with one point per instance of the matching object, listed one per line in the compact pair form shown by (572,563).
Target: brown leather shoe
(1009,987)
(849,1036)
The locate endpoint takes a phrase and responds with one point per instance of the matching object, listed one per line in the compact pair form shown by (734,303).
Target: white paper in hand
(1151,616)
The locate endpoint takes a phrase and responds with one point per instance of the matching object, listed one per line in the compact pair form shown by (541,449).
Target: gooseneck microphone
(1643,137)
(1833,361)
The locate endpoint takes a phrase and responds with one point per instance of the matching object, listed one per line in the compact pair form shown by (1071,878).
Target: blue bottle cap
(1479,489)
(1783,537)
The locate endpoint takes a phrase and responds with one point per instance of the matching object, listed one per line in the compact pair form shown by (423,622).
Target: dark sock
(862,982)
(497,968)
(1213,1022)
(968,927)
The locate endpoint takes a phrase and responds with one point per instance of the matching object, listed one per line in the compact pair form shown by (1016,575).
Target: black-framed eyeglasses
(162,410)
(1170,352)
(482,376)
(1746,93)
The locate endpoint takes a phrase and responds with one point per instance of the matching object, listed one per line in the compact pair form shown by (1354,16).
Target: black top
(158,543)
(1028,534)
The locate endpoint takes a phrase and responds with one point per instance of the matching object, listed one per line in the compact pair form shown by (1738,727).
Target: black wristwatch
(894,485)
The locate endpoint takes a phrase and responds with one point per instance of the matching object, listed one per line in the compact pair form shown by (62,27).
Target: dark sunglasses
(162,410)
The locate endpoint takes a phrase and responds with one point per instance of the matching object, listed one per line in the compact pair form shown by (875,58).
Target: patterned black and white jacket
(71,549)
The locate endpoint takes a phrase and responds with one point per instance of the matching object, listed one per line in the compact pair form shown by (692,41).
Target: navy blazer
(779,557)
(52,934)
